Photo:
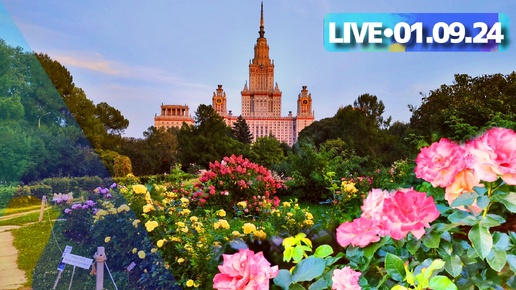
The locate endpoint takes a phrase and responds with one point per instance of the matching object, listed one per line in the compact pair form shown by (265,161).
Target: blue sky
(136,55)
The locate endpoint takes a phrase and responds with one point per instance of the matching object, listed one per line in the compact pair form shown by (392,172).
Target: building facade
(173,116)
(261,100)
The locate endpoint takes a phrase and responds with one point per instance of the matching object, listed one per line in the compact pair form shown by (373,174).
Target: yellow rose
(221,213)
(151,225)
(139,189)
(190,283)
(180,224)
(180,260)
(107,239)
(141,254)
(260,234)
(309,216)
(242,204)
(101,212)
(309,222)
(185,211)
(147,208)
(123,207)
(160,243)
(286,204)
(235,234)
(184,201)
(248,228)
(193,219)
(224,224)
(216,225)
(184,230)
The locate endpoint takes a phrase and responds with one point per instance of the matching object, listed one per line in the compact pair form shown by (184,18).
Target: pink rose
(409,211)
(464,182)
(440,162)
(495,155)
(360,232)
(244,270)
(373,204)
(345,279)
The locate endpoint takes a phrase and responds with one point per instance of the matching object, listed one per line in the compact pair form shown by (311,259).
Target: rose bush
(236,179)
(406,239)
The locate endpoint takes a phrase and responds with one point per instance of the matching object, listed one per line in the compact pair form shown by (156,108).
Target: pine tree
(241,131)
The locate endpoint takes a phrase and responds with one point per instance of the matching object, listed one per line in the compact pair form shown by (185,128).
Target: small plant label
(61,266)
(78,261)
(130,267)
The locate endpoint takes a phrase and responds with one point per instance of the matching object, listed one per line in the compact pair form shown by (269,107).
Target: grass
(31,241)
(14,210)
(29,218)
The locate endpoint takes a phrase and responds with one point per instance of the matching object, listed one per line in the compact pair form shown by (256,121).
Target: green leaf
(296,287)
(453,265)
(481,239)
(465,199)
(458,216)
(432,240)
(480,190)
(488,221)
(483,202)
(371,249)
(287,254)
(413,245)
(323,251)
(436,264)
(501,241)
(509,200)
(394,267)
(320,284)
(283,279)
(297,253)
(331,260)
(442,283)
(308,269)
(496,259)
(511,260)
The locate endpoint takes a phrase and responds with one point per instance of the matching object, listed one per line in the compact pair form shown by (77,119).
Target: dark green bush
(40,190)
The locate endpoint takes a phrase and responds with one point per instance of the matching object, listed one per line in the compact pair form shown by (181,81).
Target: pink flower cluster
(240,180)
(345,279)
(244,270)
(395,214)
(460,167)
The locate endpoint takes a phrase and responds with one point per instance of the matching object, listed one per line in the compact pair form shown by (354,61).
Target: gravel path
(10,276)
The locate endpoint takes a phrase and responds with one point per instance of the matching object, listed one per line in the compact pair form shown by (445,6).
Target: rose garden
(237,226)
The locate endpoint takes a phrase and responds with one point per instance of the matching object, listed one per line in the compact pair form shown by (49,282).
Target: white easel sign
(78,261)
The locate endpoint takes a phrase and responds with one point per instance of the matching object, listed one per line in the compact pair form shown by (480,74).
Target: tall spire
(262,31)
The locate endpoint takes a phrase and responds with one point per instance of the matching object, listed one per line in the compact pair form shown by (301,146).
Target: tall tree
(241,131)
(209,139)
(267,151)
(372,108)
(112,119)
(456,111)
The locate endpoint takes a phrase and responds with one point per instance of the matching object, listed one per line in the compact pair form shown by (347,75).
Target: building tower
(262,98)
(219,101)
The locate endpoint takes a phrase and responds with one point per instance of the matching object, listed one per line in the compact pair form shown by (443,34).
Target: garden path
(10,276)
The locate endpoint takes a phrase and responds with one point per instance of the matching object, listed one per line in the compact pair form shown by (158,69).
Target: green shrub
(40,190)
(59,184)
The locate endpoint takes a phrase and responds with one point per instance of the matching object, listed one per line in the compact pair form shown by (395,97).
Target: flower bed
(230,231)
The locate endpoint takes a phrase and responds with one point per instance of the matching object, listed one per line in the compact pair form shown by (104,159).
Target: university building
(261,101)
